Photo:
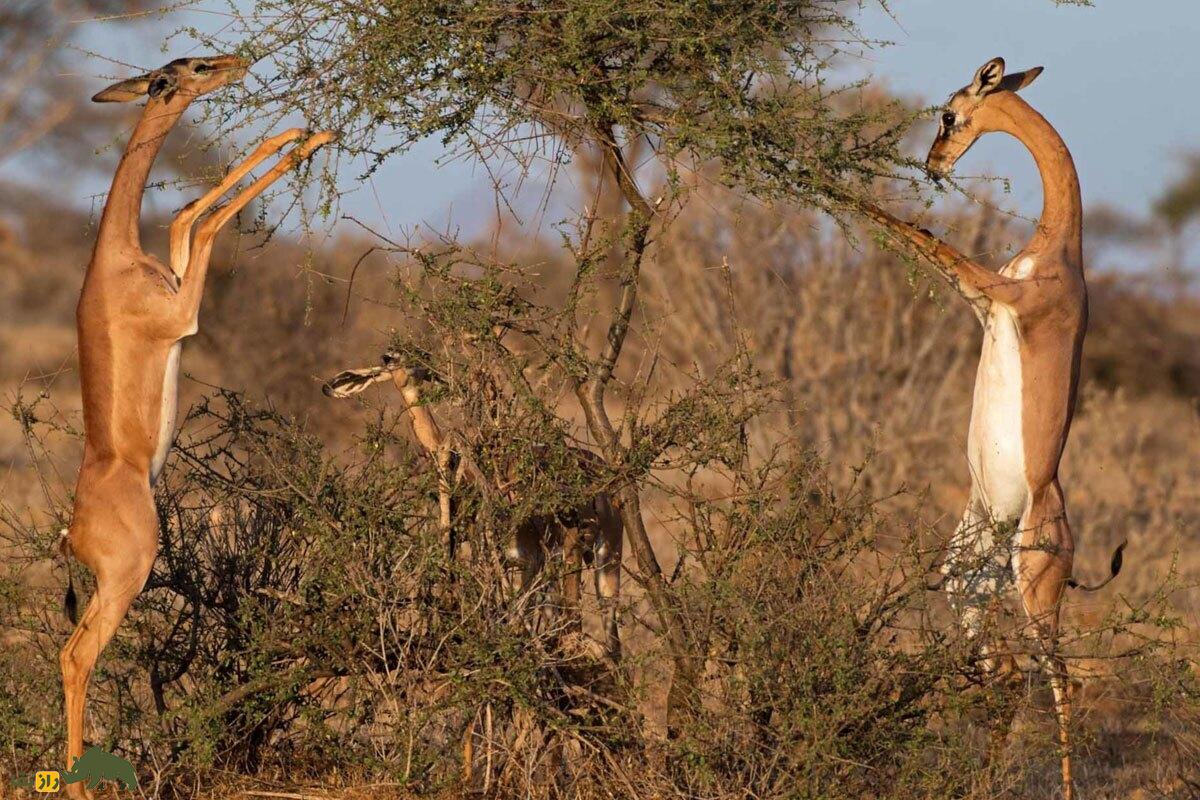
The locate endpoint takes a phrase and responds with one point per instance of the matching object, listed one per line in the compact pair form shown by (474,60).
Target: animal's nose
(235,64)
(935,172)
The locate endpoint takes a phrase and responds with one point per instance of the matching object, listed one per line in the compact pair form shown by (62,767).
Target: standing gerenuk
(133,313)
(1034,316)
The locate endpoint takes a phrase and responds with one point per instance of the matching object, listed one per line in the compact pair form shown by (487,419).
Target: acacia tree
(738,92)
(745,94)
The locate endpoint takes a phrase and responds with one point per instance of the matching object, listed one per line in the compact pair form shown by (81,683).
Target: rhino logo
(93,767)
(96,765)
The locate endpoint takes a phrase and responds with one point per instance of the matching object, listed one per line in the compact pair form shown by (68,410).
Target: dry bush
(304,620)
(795,405)
(304,625)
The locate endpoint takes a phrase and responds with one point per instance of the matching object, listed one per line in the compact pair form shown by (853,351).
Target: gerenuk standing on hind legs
(1034,316)
(133,314)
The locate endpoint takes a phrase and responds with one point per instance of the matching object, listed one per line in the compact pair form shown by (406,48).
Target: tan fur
(132,312)
(1042,291)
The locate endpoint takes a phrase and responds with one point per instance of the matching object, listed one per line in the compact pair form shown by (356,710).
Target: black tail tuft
(71,602)
(1118,560)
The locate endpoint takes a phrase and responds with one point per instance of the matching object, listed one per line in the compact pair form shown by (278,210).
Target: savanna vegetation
(777,403)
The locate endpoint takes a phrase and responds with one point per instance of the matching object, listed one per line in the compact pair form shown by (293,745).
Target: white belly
(996,448)
(167,413)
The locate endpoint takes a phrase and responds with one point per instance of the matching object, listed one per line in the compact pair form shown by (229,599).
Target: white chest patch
(996,447)
(167,412)
(1019,268)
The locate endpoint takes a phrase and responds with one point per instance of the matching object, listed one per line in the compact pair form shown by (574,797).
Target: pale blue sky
(1118,85)
(1118,82)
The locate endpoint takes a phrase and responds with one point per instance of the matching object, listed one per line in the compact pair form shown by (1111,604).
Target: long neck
(424,426)
(1061,223)
(122,212)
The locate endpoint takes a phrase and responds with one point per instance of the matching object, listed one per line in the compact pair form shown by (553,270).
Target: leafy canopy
(742,88)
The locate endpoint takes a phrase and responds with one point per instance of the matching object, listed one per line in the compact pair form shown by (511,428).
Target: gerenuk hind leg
(1042,564)
(609,545)
(115,534)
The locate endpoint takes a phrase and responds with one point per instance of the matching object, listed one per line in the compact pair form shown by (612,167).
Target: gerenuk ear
(124,91)
(987,78)
(1019,80)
